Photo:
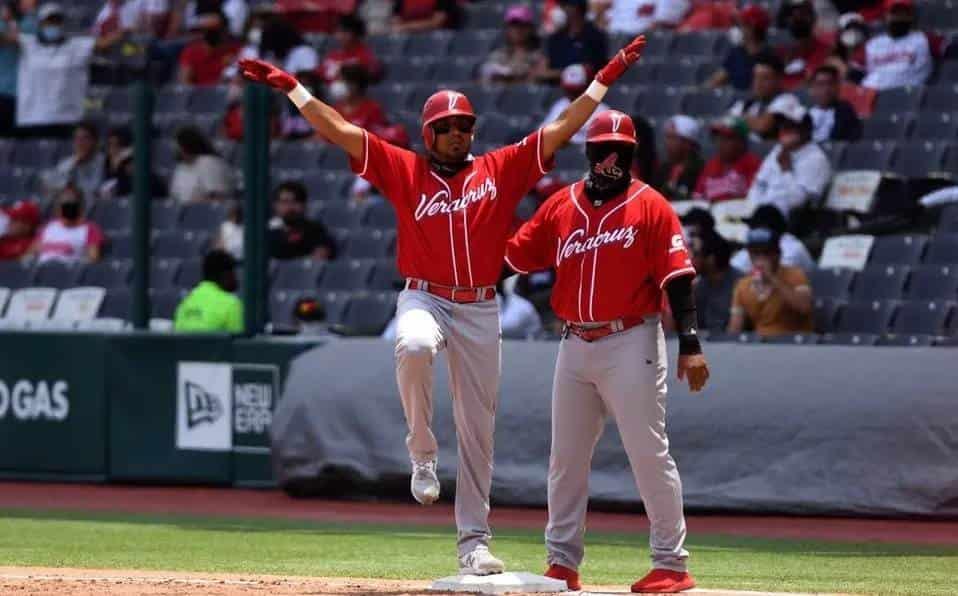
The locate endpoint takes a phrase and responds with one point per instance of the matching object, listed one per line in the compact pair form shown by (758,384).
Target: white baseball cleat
(424,484)
(480,562)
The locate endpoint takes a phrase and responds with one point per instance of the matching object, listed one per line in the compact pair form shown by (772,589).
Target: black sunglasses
(444,126)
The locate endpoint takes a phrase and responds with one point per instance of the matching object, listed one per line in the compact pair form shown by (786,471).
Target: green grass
(180,543)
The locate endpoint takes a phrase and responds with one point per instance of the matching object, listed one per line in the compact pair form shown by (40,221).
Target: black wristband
(689,344)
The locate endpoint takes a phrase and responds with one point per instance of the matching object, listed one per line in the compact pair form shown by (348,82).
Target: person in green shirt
(211,306)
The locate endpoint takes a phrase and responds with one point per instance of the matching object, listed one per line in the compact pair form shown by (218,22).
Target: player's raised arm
(558,132)
(326,120)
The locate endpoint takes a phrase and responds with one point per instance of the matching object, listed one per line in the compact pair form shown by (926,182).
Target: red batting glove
(260,71)
(621,62)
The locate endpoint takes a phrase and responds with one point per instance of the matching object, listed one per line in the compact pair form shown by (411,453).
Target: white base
(500,583)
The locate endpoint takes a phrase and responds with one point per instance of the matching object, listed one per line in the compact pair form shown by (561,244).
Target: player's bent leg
(473,351)
(636,393)
(418,338)
(578,417)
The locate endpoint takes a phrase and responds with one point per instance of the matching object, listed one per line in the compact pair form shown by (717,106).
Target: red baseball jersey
(453,231)
(611,261)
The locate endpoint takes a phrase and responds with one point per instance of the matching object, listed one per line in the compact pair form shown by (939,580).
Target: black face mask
(447,169)
(801,29)
(609,170)
(294,218)
(899,28)
(213,36)
(70,211)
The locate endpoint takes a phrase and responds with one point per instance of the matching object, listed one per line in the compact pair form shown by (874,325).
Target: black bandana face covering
(609,170)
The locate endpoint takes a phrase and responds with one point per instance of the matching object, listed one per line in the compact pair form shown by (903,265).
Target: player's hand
(696,369)
(621,62)
(260,71)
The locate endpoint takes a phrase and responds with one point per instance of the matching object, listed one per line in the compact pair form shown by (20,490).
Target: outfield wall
(797,429)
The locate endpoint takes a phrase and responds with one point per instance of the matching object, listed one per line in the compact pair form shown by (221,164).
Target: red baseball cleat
(664,581)
(570,576)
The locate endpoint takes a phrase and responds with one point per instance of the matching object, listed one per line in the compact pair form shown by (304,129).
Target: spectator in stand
(833,119)
(520,57)
(118,180)
(793,251)
(902,56)
(774,299)
(9,56)
(849,54)
(679,173)
(637,16)
(280,43)
(574,80)
(766,89)
(70,237)
(749,41)
(351,49)
(578,41)
(229,236)
(413,16)
(201,174)
(85,169)
(212,306)
(204,60)
(21,220)
(348,96)
(729,173)
(310,317)
(796,171)
(518,317)
(119,18)
(715,282)
(291,234)
(646,163)
(53,75)
(807,50)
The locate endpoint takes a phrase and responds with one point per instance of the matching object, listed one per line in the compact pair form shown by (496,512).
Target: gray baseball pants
(624,376)
(469,333)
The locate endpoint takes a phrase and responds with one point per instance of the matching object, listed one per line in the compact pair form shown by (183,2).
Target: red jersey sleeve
(667,253)
(94,235)
(520,166)
(387,167)
(533,247)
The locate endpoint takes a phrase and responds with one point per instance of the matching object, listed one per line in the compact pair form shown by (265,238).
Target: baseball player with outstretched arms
(616,245)
(454,213)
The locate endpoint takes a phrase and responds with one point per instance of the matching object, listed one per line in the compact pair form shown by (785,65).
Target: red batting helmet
(443,104)
(611,125)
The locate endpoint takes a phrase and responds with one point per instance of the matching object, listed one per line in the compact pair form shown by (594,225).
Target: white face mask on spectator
(51,33)
(255,36)
(736,36)
(338,90)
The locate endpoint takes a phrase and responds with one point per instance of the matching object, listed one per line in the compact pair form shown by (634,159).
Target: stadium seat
(704,44)
(409,69)
(191,272)
(922,316)
(180,244)
(496,128)
(831,283)
(918,159)
(335,303)
(387,45)
(570,158)
(453,71)
(30,304)
(948,221)
(741,338)
(797,339)
(941,98)
(706,104)
(110,273)
(369,313)
(203,216)
(942,250)
(208,100)
(660,102)
(116,304)
(881,282)
(380,215)
(898,250)
(281,303)
(520,99)
(120,245)
(118,100)
(936,126)
(906,340)
(899,100)
(472,42)
(172,99)
(164,215)
(826,313)
(386,275)
(78,304)
(428,44)
(297,155)
(371,244)
(112,214)
(683,73)
(299,274)
(392,96)
(163,303)
(344,274)
(336,159)
(56,274)
(163,273)
(866,317)
(886,126)
(834,150)
(850,339)
(867,155)
(342,215)
(933,282)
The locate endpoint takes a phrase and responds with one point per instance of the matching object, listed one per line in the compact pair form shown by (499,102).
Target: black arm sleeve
(682,302)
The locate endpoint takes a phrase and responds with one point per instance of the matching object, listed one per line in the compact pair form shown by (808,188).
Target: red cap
(24,211)
(890,4)
(443,104)
(755,15)
(611,125)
